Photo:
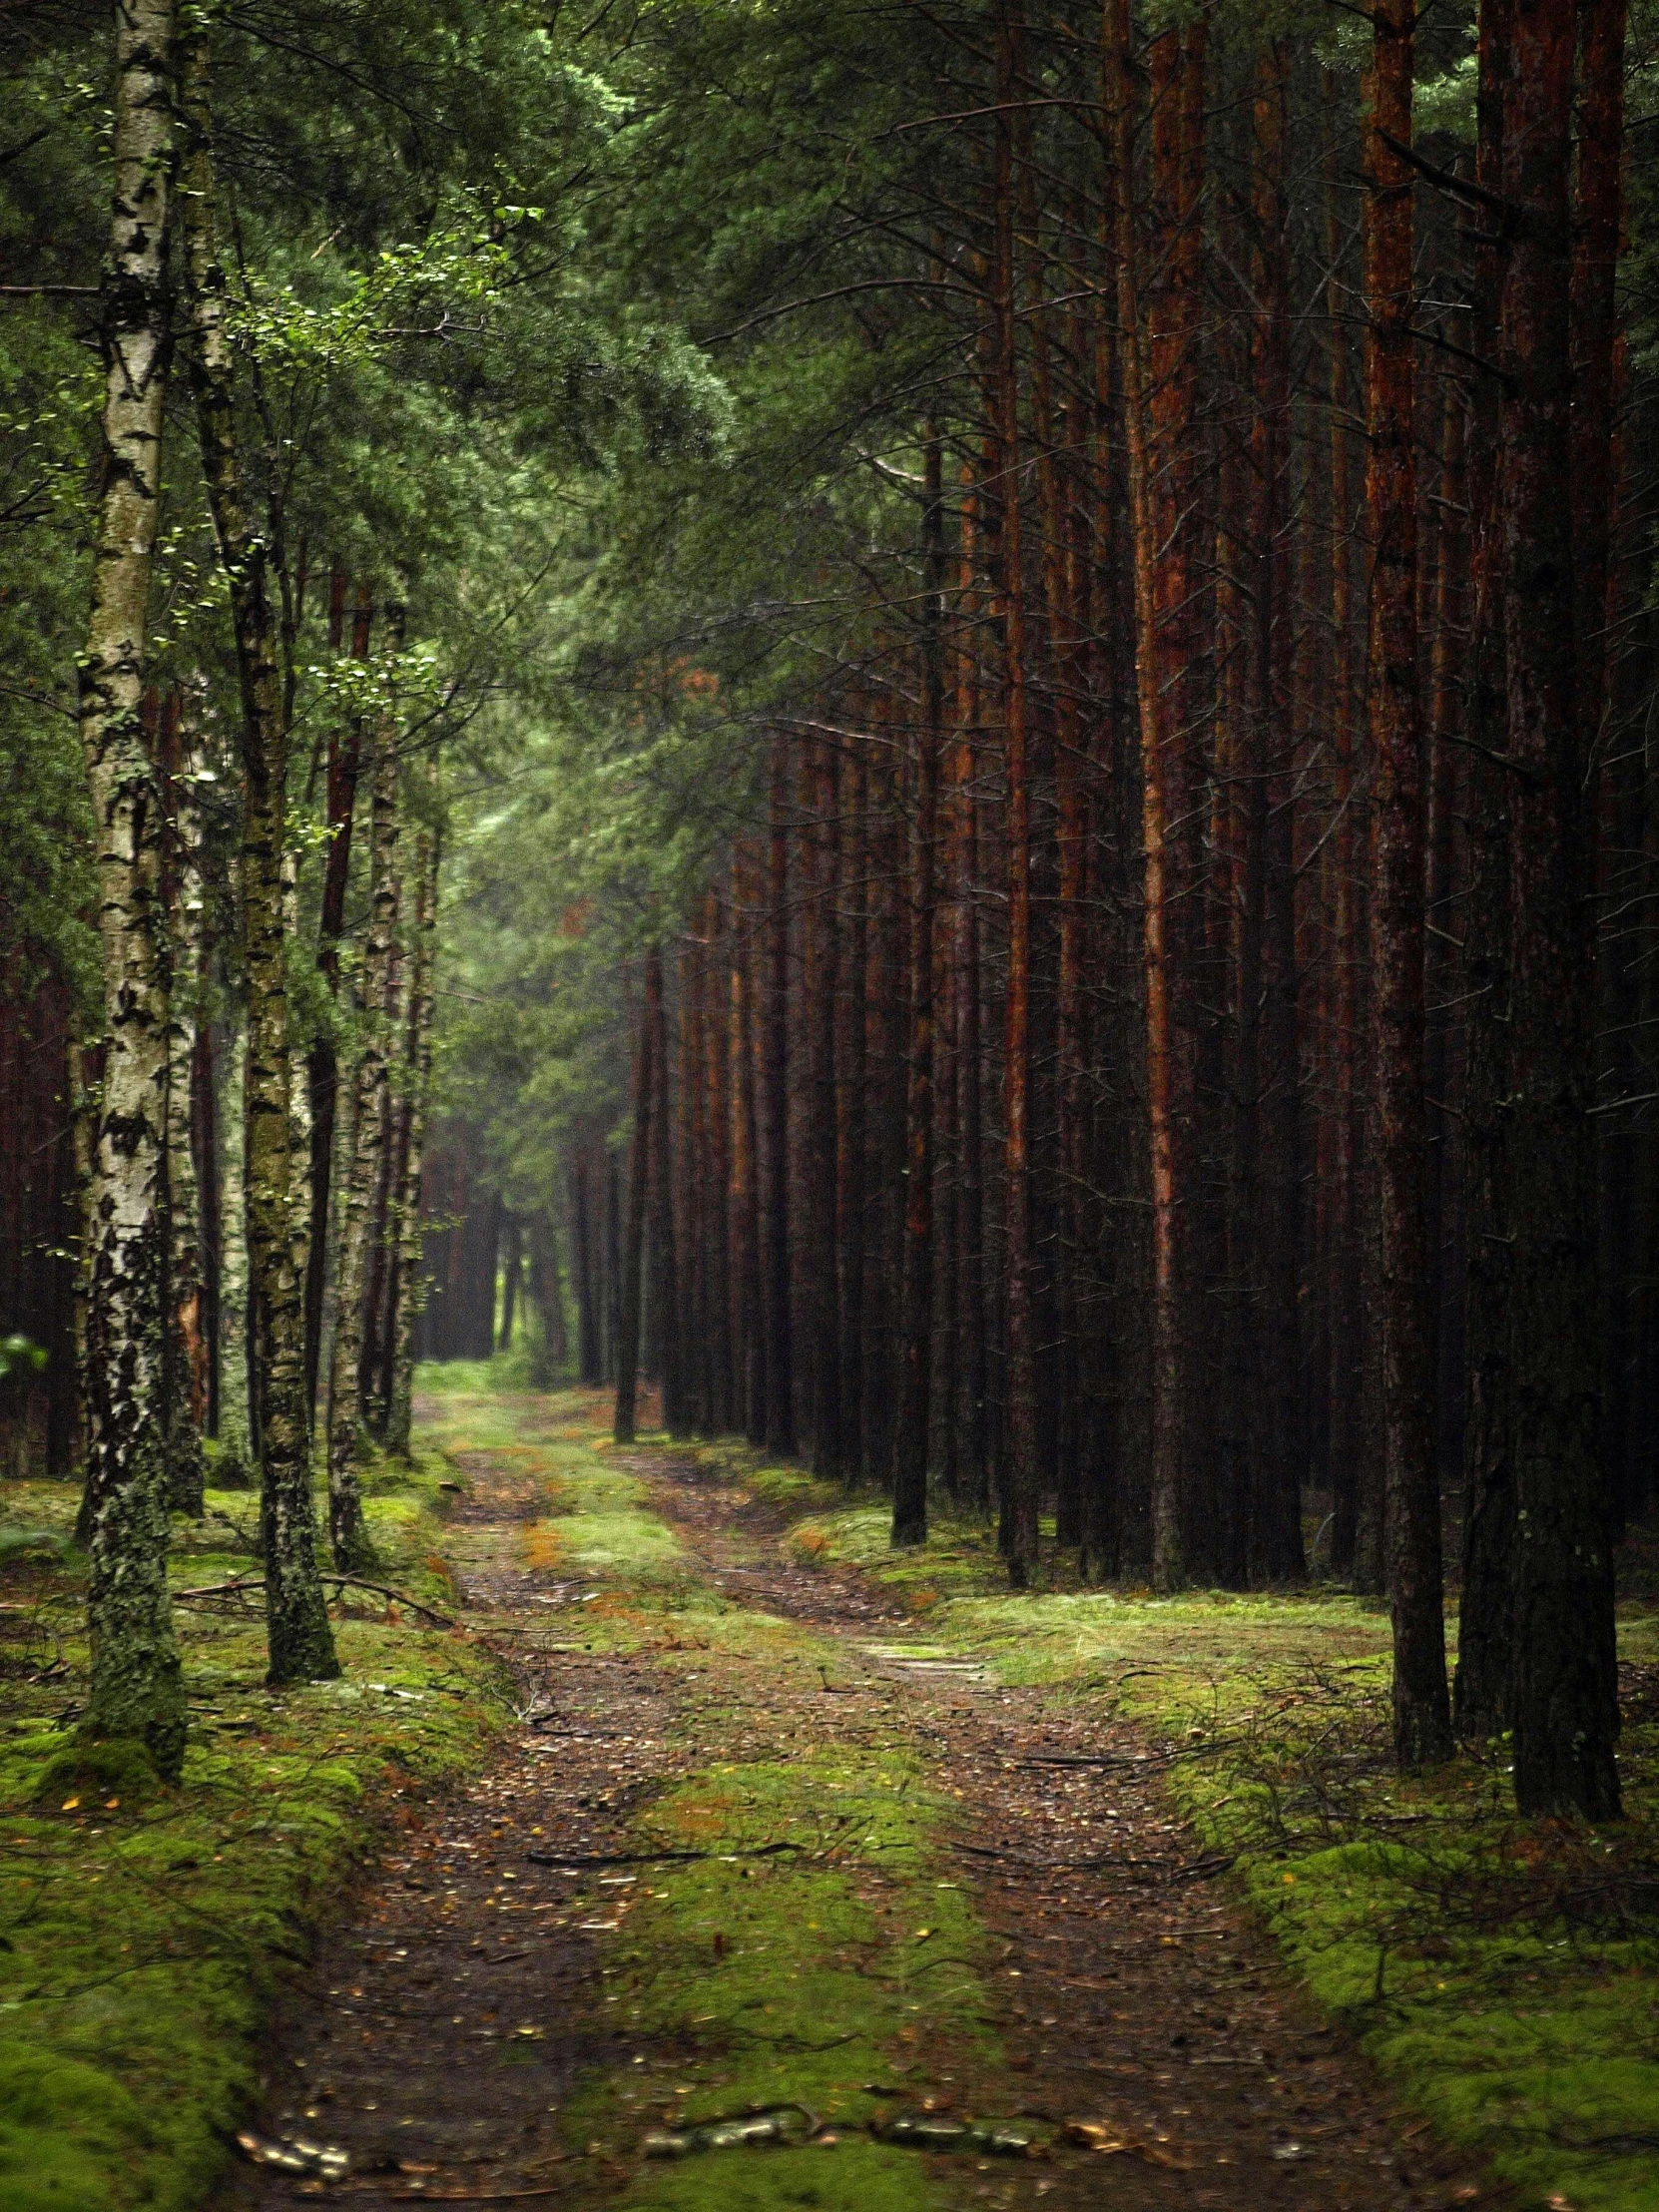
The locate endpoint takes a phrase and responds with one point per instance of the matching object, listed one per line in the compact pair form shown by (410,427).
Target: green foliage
(20,1358)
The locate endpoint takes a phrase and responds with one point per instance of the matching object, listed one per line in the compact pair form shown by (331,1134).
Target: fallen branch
(1119,1763)
(475,2196)
(244,1585)
(1198,1869)
(649,1858)
(400,1598)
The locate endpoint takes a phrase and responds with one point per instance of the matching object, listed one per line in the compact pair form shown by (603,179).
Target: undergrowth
(142,1928)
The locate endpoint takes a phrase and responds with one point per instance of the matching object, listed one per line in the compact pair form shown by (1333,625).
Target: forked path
(453,2011)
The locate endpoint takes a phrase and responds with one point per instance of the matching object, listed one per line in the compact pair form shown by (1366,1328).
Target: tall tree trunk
(301,1645)
(1021,1474)
(716,1038)
(237,1430)
(547,1360)
(203,1117)
(969,1033)
(822,952)
(589,1353)
(1422,1706)
(638,1169)
(665,1254)
(322,1066)
(1446,803)
(853,1109)
(512,1267)
(365,1161)
(1158,749)
(417,1072)
(1565,1707)
(1485,1609)
(1348,1107)
(137,1689)
(1276,1504)
(910,1435)
(776,1091)
(180,761)
(1348,1111)
(745,1193)
(381,1250)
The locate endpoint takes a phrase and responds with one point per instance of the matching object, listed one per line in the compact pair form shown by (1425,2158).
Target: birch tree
(137,1689)
(301,1642)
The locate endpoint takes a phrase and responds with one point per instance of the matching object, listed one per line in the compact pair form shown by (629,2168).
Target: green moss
(65,2129)
(857,2175)
(604,1527)
(818,1946)
(1411,1910)
(815,1951)
(142,1935)
(91,1773)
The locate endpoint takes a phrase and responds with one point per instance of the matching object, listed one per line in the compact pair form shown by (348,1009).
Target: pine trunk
(639,1165)
(912,1432)
(1021,1473)
(780,1364)
(1422,1708)
(1565,1708)
(1157,764)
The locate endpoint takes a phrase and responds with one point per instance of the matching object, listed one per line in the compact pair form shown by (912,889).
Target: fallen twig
(244,1585)
(1197,1870)
(649,1858)
(475,2196)
(1119,1763)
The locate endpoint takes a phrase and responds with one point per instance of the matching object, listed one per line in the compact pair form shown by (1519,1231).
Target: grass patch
(801,1977)
(142,1928)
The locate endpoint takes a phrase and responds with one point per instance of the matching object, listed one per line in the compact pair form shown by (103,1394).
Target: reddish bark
(633,1249)
(910,1440)
(780,1366)
(1158,750)
(1021,1473)
(1423,1722)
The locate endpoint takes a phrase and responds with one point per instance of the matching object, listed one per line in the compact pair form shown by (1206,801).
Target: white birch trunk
(137,1690)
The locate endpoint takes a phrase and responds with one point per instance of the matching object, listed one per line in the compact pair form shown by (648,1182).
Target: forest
(830,1042)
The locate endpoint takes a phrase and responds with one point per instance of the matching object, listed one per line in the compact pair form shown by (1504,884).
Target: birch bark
(346,1533)
(137,1690)
(301,1643)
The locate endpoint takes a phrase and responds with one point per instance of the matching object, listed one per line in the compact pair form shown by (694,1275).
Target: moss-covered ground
(141,1928)
(788,1928)
(1505,1972)
(821,1947)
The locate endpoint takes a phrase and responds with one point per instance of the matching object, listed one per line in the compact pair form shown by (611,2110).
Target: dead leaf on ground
(1098,2135)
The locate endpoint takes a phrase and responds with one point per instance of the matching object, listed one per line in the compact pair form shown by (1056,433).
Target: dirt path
(453,2016)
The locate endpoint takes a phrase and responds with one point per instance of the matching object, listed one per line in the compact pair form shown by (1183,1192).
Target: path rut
(455,2005)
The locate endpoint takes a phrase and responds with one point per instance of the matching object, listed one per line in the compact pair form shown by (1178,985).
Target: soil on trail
(450,2016)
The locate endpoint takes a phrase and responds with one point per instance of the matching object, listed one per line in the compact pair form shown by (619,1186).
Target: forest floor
(788,1826)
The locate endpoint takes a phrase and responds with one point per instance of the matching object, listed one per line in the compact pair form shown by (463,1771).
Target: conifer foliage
(930,720)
